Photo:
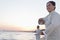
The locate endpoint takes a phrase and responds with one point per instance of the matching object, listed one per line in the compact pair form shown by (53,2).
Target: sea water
(17,36)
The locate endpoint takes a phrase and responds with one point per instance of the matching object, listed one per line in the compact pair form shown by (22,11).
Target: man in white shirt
(37,33)
(52,22)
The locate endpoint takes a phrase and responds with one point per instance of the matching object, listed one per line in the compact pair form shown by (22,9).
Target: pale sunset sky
(23,13)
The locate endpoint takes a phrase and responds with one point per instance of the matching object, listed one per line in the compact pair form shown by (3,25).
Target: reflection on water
(17,36)
(7,38)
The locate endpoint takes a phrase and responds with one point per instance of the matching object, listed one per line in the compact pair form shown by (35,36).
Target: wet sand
(42,37)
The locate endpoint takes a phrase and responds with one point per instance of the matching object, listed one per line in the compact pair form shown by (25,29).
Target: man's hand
(41,21)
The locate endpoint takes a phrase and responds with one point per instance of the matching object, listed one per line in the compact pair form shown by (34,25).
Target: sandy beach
(42,37)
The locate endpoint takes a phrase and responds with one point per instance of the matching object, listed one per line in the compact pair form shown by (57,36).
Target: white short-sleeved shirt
(38,32)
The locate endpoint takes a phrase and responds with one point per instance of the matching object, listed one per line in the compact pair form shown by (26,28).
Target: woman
(52,22)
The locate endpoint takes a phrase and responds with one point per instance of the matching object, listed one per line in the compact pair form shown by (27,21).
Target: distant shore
(14,31)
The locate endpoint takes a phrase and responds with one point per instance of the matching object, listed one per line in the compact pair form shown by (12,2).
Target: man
(52,22)
(37,33)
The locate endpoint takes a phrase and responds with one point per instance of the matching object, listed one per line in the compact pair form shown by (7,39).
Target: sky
(23,13)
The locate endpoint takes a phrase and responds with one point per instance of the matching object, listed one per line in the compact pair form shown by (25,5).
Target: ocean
(17,36)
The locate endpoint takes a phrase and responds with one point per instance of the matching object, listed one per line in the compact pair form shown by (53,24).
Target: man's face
(50,7)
